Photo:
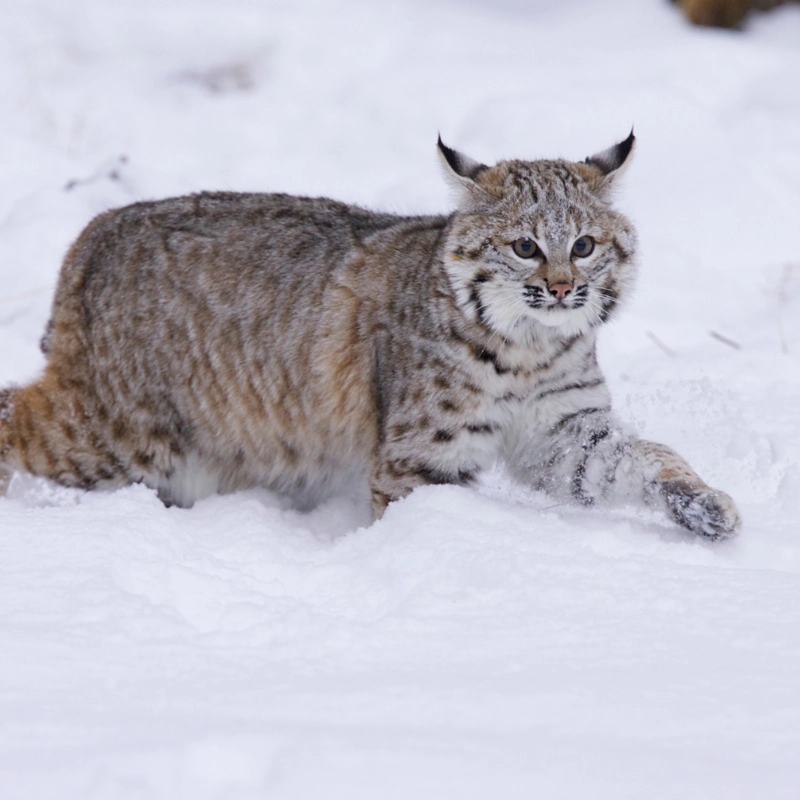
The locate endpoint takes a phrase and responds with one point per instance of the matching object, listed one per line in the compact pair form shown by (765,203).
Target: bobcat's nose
(560,290)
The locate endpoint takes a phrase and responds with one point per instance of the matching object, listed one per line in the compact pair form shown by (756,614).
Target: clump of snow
(473,643)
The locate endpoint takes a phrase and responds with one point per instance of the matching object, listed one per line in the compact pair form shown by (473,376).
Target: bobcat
(220,341)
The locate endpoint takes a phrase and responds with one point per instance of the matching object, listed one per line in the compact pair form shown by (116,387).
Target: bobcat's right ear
(461,173)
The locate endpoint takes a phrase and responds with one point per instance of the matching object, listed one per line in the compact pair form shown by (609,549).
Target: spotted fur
(221,341)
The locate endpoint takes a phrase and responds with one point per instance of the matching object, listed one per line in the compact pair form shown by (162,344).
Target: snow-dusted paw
(704,511)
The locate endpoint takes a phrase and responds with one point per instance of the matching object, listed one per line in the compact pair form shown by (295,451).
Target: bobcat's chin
(567,321)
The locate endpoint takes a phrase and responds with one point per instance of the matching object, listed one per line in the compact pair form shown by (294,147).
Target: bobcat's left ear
(461,172)
(610,164)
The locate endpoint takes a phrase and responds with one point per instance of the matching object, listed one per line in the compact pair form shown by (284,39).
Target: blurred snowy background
(474,643)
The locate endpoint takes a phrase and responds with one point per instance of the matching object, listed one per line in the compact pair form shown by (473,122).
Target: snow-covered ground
(473,643)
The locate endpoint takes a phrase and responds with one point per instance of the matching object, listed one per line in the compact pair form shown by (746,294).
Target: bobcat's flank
(221,341)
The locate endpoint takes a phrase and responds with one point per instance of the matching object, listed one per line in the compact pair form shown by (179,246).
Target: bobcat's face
(537,245)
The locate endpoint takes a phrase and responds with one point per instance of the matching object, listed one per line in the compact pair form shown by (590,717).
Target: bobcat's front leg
(395,475)
(587,457)
(669,481)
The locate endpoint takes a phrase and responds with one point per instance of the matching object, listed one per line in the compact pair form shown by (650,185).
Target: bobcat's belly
(303,426)
(195,477)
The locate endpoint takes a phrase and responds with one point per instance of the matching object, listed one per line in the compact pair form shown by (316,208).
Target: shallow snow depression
(473,643)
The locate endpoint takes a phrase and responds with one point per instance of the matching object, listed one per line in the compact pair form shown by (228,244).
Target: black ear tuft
(612,159)
(450,155)
(463,166)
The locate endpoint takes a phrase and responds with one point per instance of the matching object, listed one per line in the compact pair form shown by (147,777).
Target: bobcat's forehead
(549,198)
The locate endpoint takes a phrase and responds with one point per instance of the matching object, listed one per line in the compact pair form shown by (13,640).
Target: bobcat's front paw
(702,510)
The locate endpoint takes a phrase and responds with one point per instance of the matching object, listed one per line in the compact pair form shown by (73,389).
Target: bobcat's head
(536,245)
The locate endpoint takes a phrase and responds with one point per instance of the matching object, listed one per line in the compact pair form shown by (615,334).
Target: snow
(473,643)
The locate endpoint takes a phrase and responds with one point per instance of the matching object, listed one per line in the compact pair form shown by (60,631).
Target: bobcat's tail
(54,432)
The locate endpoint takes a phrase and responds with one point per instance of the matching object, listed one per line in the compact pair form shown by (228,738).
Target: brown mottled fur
(724,13)
(222,341)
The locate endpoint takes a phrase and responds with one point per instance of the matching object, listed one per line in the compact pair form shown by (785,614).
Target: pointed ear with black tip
(461,172)
(611,164)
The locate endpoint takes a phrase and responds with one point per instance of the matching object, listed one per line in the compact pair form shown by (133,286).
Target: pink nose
(560,289)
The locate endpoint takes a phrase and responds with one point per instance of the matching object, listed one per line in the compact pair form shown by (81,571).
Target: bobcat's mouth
(570,314)
(537,298)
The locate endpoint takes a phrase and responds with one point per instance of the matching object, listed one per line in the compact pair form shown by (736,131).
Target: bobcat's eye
(525,248)
(583,247)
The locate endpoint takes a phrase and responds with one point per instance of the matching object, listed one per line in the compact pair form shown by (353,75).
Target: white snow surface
(474,643)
